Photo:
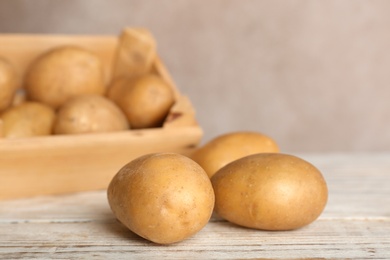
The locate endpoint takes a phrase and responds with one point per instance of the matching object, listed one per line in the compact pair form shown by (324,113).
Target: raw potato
(89,114)
(232,146)
(8,84)
(135,53)
(146,100)
(62,73)
(162,197)
(28,119)
(270,192)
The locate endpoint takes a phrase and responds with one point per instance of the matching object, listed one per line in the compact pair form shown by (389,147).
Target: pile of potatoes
(64,91)
(241,177)
(163,197)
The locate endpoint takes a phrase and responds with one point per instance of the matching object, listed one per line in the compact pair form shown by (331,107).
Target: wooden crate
(73,163)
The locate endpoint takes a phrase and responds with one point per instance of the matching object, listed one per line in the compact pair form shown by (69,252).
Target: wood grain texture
(354,225)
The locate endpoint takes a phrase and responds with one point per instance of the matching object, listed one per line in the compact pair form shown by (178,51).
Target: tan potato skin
(232,146)
(28,119)
(8,84)
(162,197)
(146,100)
(62,73)
(89,114)
(270,192)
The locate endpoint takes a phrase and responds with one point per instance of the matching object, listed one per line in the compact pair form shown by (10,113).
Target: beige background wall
(313,74)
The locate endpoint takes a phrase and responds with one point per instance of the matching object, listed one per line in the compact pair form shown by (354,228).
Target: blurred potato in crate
(55,164)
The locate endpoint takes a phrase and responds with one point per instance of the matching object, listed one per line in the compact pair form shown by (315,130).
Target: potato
(8,84)
(231,146)
(62,73)
(28,119)
(89,114)
(162,197)
(146,100)
(135,53)
(270,191)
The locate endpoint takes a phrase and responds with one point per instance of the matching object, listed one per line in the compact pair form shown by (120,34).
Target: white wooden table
(354,225)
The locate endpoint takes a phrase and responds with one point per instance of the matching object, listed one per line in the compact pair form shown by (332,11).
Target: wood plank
(222,240)
(64,164)
(354,225)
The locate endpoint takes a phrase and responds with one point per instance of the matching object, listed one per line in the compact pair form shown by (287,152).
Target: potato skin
(28,119)
(232,146)
(89,114)
(146,100)
(62,73)
(270,192)
(162,197)
(8,83)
